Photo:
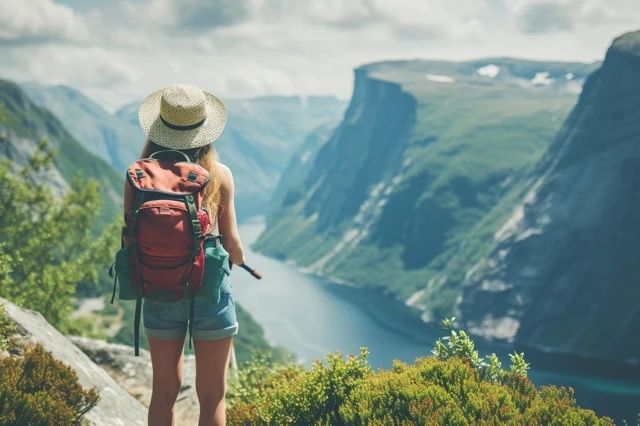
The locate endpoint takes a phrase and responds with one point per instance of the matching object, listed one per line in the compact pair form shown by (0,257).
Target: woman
(183,117)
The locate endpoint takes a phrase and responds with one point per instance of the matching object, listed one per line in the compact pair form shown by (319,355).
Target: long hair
(204,156)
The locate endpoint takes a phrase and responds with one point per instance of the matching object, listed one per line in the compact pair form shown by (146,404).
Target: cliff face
(428,160)
(563,274)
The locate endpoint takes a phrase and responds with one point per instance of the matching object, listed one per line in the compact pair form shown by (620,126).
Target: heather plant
(459,345)
(455,386)
(293,395)
(37,389)
(7,328)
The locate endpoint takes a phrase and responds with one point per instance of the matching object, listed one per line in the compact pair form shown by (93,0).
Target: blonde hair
(205,156)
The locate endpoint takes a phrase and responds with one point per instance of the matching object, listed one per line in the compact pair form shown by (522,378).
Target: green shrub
(459,345)
(293,395)
(456,386)
(37,389)
(7,328)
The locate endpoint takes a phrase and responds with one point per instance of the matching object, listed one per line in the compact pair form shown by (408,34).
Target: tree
(48,243)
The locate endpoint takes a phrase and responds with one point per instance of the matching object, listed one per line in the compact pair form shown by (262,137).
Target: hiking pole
(253,272)
(257,275)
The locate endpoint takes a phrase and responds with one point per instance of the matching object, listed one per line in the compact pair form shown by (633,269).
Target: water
(311,317)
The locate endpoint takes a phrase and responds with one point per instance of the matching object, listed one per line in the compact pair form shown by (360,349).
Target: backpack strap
(135,213)
(115,280)
(113,268)
(136,326)
(191,316)
(195,224)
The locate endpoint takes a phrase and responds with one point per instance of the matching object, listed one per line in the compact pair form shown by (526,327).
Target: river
(312,316)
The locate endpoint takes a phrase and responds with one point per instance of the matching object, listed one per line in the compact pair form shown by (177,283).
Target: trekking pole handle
(257,275)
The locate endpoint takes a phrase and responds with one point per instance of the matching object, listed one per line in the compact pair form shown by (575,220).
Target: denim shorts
(211,321)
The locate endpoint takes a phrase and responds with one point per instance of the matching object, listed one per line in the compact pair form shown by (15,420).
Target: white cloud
(545,16)
(256,47)
(26,21)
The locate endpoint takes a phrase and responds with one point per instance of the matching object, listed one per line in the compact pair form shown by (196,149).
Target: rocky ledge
(115,407)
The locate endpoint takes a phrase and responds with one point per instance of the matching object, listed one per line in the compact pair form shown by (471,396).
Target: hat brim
(159,133)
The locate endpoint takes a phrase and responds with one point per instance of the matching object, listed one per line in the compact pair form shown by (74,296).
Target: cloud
(418,32)
(544,17)
(30,21)
(197,15)
(242,48)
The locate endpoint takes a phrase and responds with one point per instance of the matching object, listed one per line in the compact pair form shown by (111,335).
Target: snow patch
(305,156)
(542,79)
(490,71)
(494,286)
(568,76)
(574,87)
(426,316)
(312,191)
(440,78)
(510,225)
(346,239)
(414,298)
(528,233)
(500,328)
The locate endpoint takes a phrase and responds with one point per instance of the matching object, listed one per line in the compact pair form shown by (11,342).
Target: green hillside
(427,163)
(101,133)
(24,124)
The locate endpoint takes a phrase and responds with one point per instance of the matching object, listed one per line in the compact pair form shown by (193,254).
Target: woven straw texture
(182,105)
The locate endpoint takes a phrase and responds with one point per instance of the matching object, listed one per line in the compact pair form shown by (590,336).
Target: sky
(117,51)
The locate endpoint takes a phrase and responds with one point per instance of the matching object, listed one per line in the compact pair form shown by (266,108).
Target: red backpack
(162,252)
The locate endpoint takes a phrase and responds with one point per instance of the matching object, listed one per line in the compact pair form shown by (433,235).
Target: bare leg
(212,361)
(167,360)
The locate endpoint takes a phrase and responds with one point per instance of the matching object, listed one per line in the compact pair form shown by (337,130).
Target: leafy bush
(7,328)
(459,345)
(37,389)
(293,395)
(456,386)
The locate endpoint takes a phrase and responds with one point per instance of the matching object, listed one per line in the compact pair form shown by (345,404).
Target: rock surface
(134,374)
(116,406)
(563,274)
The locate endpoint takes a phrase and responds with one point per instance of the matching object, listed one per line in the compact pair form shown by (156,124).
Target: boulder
(116,406)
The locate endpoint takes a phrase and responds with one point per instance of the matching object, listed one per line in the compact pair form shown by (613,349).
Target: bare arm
(227,217)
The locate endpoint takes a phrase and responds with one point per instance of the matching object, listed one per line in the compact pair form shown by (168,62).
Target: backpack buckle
(196,226)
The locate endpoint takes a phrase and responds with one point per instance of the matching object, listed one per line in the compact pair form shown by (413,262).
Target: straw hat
(182,116)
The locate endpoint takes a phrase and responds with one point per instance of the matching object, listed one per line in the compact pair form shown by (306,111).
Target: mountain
(301,161)
(23,124)
(101,133)
(429,160)
(260,137)
(261,134)
(564,267)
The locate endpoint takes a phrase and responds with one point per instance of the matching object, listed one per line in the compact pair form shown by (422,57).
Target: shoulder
(222,169)
(223,173)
